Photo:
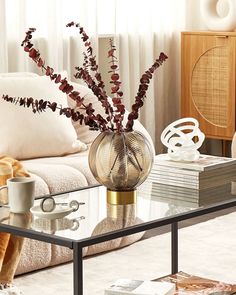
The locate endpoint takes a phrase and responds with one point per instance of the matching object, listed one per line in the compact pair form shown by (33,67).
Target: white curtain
(145,28)
(142,28)
(59,46)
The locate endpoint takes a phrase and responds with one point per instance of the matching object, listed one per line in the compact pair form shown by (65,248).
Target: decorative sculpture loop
(183,139)
(213,20)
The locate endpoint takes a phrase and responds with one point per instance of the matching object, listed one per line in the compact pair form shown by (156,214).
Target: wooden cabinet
(208,81)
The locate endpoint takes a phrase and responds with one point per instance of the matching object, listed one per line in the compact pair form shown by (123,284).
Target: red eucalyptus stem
(90,62)
(65,87)
(143,87)
(115,89)
(96,84)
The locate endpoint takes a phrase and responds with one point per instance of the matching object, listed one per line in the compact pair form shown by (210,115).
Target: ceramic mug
(20,193)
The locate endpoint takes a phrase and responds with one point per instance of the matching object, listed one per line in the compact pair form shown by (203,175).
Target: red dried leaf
(114,89)
(63,85)
(33,53)
(27,48)
(115,77)
(114,67)
(53,106)
(121,108)
(40,62)
(74,94)
(111,52)
(116,100)
(58,79)
(49,71)
(144,80)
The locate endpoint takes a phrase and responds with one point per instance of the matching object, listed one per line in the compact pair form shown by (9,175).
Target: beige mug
(20,193)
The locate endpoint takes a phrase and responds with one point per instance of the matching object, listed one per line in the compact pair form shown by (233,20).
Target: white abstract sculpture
(183,140)
(210,11)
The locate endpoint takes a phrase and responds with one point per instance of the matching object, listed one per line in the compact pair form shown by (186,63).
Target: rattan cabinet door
(208,82)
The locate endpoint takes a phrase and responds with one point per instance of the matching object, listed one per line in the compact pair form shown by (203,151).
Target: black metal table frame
(78,245)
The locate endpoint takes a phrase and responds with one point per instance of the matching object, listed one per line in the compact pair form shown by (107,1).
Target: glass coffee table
(80,229)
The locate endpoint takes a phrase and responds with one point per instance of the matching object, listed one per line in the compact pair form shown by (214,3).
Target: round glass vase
(121,161)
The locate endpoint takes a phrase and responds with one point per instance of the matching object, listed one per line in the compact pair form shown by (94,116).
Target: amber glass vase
(121,162)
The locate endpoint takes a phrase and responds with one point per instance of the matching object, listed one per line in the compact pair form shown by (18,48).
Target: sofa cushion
(40,256)
(59,178)
(27,135)
(78,161)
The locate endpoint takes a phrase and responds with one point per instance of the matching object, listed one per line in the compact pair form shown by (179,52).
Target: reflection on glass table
(51,226)
(101,217)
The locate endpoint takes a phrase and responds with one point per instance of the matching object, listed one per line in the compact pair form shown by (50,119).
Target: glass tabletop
(96,216)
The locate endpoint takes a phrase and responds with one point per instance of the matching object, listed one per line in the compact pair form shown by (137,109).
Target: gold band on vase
(121,197)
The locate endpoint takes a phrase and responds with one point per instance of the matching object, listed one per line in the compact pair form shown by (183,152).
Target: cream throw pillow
(25,135)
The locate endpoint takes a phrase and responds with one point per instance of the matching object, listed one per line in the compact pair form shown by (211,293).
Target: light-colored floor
(189,222)
(206,249)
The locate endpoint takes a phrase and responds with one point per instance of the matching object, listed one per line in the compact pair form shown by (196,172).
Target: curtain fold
(3,39)
(61,47)
(143,32)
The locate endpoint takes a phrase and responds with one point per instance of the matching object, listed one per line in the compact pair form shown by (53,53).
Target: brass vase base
(121,197)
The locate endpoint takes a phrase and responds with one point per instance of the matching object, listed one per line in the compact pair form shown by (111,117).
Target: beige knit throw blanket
(10,246)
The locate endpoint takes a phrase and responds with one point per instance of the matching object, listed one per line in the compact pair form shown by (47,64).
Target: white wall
(193,17)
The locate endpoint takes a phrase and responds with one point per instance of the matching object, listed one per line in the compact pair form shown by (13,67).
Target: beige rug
(206,249)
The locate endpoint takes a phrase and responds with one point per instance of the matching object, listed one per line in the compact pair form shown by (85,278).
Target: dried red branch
(91,76)
(91,63)
(143,87)
(40,105)
(65,87)
(115,89)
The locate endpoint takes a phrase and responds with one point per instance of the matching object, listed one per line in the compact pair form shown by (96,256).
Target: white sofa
(45,145)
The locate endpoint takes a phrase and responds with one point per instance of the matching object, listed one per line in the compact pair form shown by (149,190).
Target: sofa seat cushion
(59,178)
(58,174)
(41,187)
(73,171)
(35,255)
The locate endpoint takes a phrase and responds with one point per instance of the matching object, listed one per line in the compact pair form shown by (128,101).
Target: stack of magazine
(129,287)
(203,181)
(187,284)
(180,283)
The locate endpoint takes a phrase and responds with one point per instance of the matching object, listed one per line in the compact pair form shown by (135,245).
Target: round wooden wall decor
(214,20)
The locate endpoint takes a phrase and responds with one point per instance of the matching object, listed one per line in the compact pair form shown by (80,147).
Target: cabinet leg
(174,247)
(224,148)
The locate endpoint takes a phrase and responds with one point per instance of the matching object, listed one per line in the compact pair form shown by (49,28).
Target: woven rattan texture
(210,85)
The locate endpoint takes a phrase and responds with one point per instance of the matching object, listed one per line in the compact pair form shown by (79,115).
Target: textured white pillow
(25,135)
